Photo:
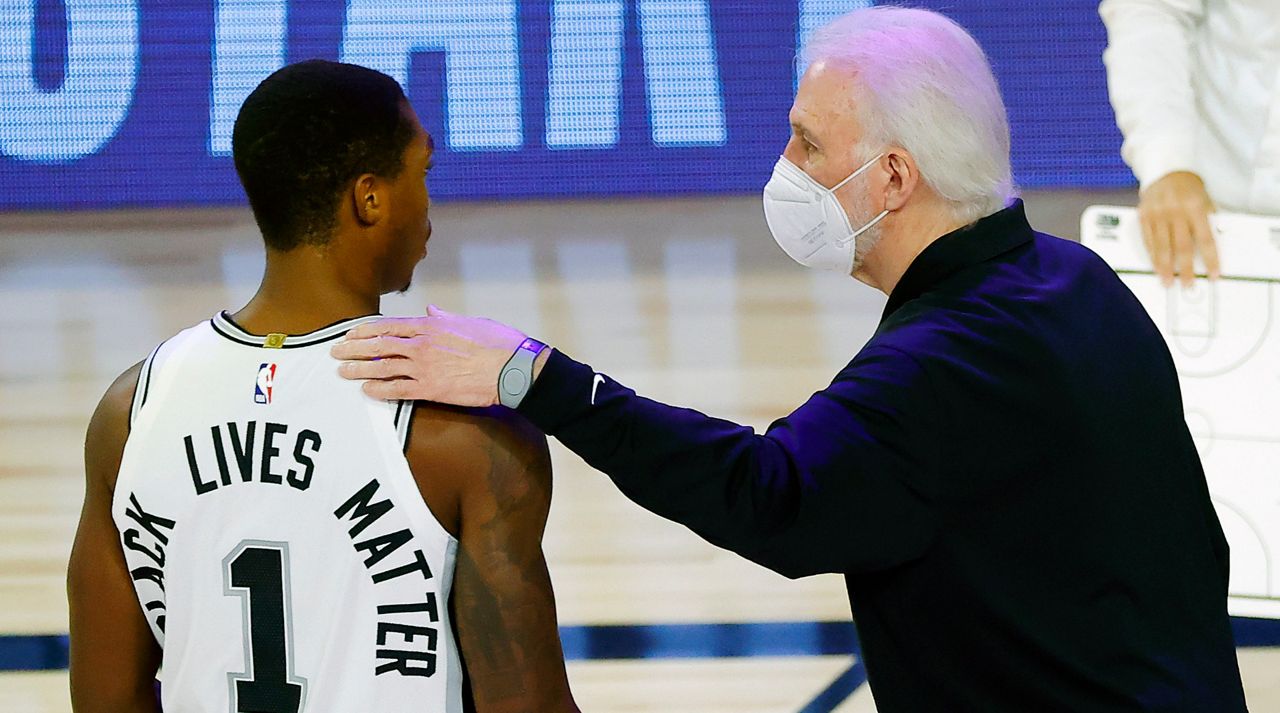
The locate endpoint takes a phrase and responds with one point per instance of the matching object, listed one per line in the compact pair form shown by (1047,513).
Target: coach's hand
(1175,226)
(440,357)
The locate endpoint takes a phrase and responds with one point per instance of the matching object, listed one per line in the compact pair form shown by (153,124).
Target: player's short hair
(305,134)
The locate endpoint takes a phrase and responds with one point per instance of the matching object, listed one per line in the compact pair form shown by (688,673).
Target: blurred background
(597,181)
(109,105)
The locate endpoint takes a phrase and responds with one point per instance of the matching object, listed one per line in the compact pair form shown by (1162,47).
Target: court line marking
(693,641)
(840,689)
(582,643)
(664,641)
(647,641)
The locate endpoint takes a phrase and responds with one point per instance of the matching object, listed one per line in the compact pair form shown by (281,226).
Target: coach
(1002,474)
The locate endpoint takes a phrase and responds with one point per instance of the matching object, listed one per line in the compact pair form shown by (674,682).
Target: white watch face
(517,376)
(514,382)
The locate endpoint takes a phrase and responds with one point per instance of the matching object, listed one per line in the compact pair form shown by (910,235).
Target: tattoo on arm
(503,599)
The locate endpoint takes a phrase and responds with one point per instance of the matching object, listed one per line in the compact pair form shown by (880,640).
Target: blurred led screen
(109,103)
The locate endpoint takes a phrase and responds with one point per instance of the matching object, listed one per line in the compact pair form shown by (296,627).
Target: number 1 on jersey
(258,573)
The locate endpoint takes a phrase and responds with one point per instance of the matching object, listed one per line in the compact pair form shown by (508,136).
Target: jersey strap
(404,421)
(143,386)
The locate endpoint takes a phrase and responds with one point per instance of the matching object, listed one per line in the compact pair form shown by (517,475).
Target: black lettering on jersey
(201,486)
(151,523)
(398,660)
(154,605)
(220,451)
(151,546)
(419,564)
(131,543)
(430,607)
(269,452)
(377,548)
(303,459)
(154,574)
(243,450)
(362,511)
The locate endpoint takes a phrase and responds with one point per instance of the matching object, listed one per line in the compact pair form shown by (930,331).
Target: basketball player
(262,533)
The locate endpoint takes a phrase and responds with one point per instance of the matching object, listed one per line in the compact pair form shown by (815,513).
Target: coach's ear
(367,199)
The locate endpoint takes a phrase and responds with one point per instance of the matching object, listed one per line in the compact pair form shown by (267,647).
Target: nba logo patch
(265,384)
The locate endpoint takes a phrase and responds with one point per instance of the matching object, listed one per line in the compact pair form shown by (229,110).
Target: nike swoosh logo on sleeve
(594,386)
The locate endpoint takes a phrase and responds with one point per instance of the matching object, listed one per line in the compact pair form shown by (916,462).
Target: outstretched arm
(843,484)
(114,656)
(502,602)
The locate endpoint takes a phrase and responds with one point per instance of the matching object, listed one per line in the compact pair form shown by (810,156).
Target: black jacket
(1003,475)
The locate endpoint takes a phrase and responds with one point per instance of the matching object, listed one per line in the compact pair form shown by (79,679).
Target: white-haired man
(1021,517)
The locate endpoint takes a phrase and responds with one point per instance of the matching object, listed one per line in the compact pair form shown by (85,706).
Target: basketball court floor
(686,300)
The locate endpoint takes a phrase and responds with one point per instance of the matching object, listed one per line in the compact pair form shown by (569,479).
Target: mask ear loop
(854,236)
(856,173)
(877,219)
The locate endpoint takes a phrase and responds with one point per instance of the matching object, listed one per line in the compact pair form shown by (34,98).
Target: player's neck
(301,293)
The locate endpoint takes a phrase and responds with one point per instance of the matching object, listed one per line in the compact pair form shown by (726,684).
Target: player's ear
(368,199)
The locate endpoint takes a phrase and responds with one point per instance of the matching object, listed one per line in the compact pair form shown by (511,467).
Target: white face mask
(808,222)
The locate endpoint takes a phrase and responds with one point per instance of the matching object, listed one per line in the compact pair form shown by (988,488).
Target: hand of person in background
(1175,226)
(441,357)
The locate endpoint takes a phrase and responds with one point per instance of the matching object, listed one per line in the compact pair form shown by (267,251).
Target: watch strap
(516,377)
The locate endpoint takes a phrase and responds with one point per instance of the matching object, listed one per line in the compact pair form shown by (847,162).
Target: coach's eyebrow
(803,131)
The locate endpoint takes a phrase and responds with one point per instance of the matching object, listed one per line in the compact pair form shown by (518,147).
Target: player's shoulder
(118,398)
(437,426)
(109,426)
(492,453)
(112,418)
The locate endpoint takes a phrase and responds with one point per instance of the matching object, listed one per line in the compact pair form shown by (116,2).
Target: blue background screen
(107,103)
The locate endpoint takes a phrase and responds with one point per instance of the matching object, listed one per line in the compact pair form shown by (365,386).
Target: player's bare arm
(114,657)
(499,471)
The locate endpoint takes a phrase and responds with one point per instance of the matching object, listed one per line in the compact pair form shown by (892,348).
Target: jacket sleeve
(1148,60)
(843,484)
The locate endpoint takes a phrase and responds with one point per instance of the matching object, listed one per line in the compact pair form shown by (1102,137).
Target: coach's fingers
(1184,252)
(380,369)
(1207,245)
(1153,239)
(378,347)
(391,390)
(1148,234)
(1162,251)
(390,327)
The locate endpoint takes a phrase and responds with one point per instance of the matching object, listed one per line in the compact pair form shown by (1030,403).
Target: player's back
(277,540)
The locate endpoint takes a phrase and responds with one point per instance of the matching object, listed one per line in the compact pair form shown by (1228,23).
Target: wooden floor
(687,301)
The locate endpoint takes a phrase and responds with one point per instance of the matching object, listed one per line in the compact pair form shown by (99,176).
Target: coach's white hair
(929,89)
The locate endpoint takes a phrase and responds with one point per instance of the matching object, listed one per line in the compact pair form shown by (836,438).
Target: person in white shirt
(1196,89)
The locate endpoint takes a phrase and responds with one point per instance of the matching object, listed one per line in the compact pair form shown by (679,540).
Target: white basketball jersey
(277,541)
